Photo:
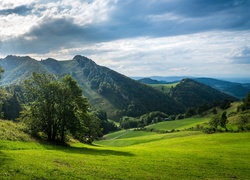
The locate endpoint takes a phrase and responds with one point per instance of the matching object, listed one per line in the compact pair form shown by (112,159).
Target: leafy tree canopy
(57,107)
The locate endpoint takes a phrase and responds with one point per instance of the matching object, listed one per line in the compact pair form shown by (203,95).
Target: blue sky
(134,37)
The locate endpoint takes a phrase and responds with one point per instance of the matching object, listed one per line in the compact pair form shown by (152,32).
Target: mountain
(169,79)
(238,90)
(111,91)
(105,88)
(17,69)
(193,94)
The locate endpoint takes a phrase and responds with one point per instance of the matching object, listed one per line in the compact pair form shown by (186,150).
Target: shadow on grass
(86,150)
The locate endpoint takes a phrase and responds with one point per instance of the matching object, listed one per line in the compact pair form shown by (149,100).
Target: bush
(209,130)
(180,116)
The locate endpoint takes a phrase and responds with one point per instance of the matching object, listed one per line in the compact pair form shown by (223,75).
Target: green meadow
(129,155)
(164,87)
(179,124)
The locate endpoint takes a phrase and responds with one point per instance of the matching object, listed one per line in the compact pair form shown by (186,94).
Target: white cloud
(198,54)
(203,53)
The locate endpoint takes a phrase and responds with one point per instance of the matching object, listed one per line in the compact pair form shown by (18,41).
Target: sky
(134,37)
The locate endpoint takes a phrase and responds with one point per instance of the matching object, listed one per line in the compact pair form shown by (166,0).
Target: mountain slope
(127,96)
(105,88)
(151,81)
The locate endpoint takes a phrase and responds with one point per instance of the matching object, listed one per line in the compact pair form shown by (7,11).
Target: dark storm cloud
(47,36)
(58,33)
(20,10)
(152,18)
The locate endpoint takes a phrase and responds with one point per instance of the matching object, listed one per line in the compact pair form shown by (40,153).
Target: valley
(125,90)
(162,130)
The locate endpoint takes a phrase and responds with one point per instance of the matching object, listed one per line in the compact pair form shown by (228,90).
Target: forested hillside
(193,94)
(111,91)
(105,88)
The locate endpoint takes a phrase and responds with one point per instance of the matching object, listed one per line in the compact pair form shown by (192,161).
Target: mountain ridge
(105,88)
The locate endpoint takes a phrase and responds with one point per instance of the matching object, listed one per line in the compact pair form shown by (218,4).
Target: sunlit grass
(179,124)
(164,87)
(129,155)
(13,131)
(179,156)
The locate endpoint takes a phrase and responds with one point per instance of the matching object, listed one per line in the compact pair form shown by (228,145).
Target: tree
(41,91)
(219,120)
(215,121)
(246,102)
(106,126)
(244,119)
(225,104)
(57,107)
(214,111)
(69,103)
(223,119)
(11,107)
(190,112)
(1,72)
(1,93)
(90,128)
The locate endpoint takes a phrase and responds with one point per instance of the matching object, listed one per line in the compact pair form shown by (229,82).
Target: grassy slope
(163,87)
(179,124)
(130,154)
(200,156)
(13,131)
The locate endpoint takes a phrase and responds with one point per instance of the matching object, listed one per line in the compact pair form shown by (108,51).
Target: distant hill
(193,94)
(168,79)
(151,81)
(238,90)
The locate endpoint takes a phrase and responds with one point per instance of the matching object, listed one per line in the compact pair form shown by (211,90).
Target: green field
(130,155)
(164,87)
(179,124)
